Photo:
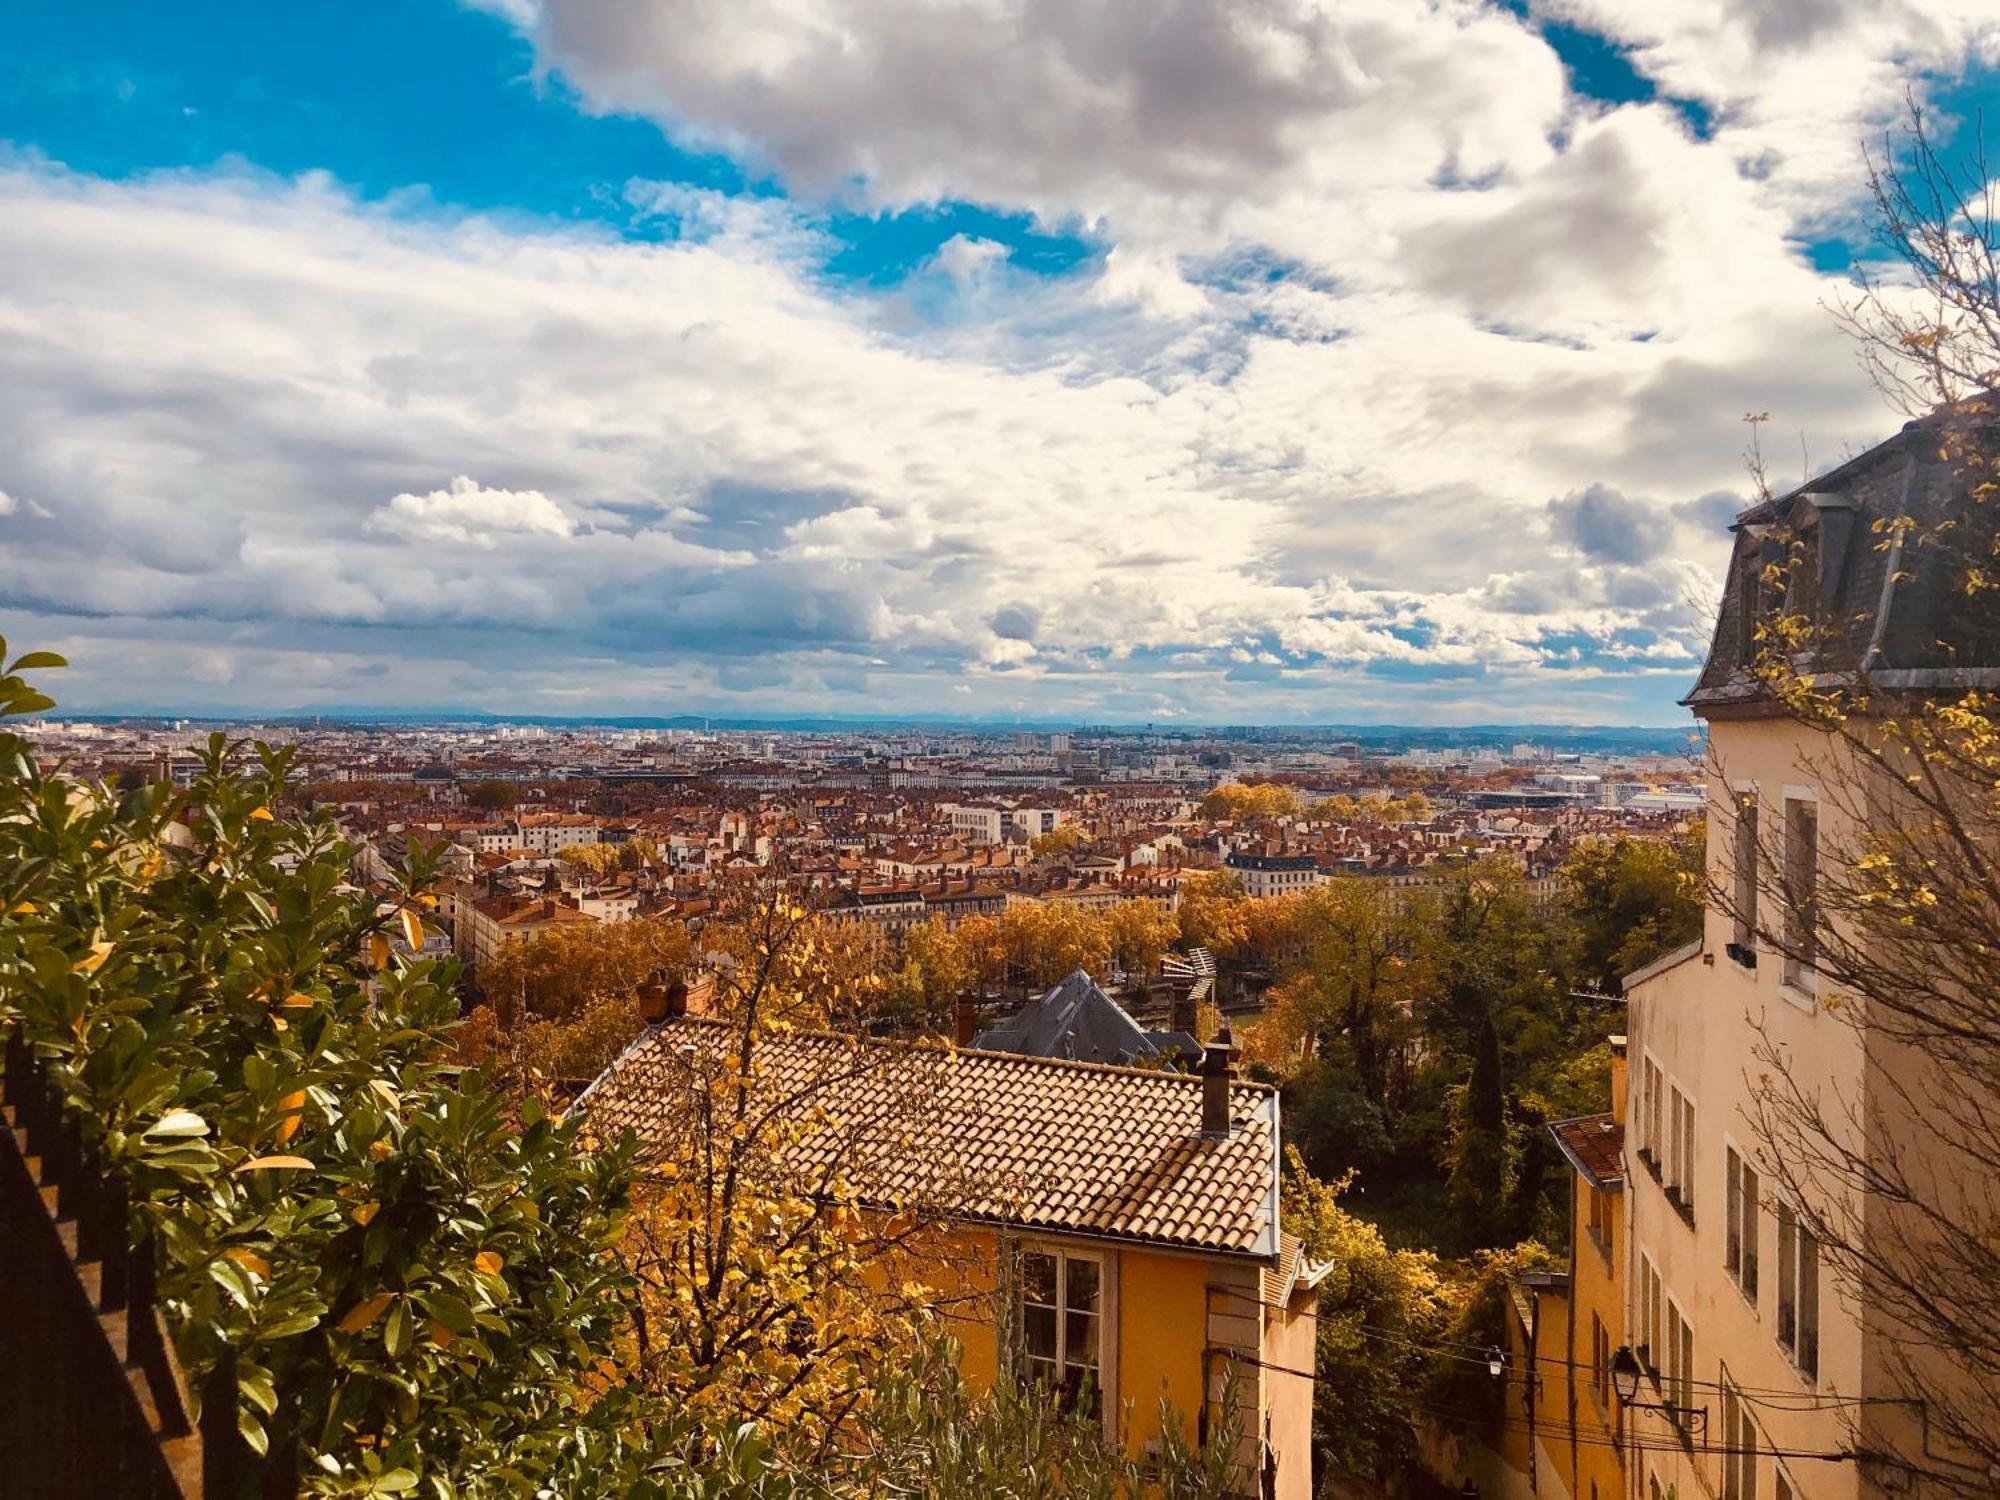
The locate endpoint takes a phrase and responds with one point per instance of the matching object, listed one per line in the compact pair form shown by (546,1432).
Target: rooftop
(1036,1143)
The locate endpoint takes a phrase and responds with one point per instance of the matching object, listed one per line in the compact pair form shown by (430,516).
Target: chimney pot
(660,1001)
(1218,1071)
(965,1022)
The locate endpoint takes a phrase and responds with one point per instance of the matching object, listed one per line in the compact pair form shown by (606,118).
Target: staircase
(92,1400)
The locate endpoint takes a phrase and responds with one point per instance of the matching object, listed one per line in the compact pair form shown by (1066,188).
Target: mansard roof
(1886,608)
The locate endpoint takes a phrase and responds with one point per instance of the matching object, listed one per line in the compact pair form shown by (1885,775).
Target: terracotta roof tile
(1026,1141)
(1595,1146)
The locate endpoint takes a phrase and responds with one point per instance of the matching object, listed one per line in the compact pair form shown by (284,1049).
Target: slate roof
(1033,1143)
(1077,1020)
(1595,1146)
(1889,610)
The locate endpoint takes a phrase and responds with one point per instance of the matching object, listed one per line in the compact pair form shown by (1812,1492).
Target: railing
(92,1399)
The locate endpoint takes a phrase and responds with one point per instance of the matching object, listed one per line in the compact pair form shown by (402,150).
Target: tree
(1381,1312)
(1064,838)
(1483,1157)
(1628,901)
(1234,800)
(1212,911)
(1141,933)
(557,975)
(599,860)
(412,1285)
(768,1289)
(492,796)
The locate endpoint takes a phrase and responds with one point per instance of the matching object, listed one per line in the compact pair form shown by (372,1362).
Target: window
(1600,1361)
(1061,1323)
(1801,892)
(1655,1142)
(1739,1256)
(1651,1349)
(1739,1448)
(1798,1291)
(1600,1219)
(1744,854)
(1679,1370)
(1680,1152)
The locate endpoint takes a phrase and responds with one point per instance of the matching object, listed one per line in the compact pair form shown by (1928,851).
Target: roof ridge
(1067,1064)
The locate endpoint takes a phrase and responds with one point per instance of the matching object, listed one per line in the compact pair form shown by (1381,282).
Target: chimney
(1618,1084)
(1218,1070)
(660,1001)
(1186,1014)
(964,1021)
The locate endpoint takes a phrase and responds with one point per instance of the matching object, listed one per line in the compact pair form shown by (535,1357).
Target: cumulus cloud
(1368,285)
(1607,526)
(467,515)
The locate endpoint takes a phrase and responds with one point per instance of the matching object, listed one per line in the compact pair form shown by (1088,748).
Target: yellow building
(1560,1431)
(1116,1228)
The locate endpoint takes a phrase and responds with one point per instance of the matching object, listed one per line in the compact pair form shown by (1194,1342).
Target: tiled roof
(1595,1146)
(1038,1143)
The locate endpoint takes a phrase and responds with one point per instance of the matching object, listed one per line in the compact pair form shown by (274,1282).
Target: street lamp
(1496,1362)
(1625,1374)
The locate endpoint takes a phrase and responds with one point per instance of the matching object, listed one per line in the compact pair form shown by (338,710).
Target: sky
(1280,361)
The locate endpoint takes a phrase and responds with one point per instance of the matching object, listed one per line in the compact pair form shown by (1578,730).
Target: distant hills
(1390,738)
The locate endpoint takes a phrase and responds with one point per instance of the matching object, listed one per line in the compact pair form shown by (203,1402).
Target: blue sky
(1291,363)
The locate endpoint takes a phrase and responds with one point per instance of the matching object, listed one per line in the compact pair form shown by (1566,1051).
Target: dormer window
(1749,601)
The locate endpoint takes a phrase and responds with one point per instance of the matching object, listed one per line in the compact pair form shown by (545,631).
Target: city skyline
(856,361)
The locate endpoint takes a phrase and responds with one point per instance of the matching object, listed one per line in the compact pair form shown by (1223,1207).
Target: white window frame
(1749,1234)
(1106,1363)
(1796,982)
(1743,922)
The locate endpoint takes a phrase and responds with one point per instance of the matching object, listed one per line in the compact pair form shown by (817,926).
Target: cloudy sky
(1091,360)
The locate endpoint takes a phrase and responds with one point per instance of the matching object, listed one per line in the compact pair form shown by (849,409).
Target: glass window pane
(1038,1278)
(1082,1290)
(1038,1332)
(1080,1332)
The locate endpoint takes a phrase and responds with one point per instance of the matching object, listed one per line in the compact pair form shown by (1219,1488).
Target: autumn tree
(1212,911)
(600,861)
(557,975)
(1064,838)
(492,796)
(1627,901)
(771,1289)
(1267,799)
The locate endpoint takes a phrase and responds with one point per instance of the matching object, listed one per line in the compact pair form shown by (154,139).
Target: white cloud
(465,514)
(1398,361)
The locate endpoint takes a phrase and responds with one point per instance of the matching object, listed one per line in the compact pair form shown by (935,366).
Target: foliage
(1266,799)
(557,975)
(600,860)
(1629,901)
(492,796)
(1064,838)
(1341,808)
(767,1290)
(1381,1312)
(1212,908)
(414,1284)
(931,1434)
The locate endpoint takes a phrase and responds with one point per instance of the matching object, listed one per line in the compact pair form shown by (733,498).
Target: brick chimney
(660,1000)
(964,1022)
(1218,1071)
(1186,1014)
